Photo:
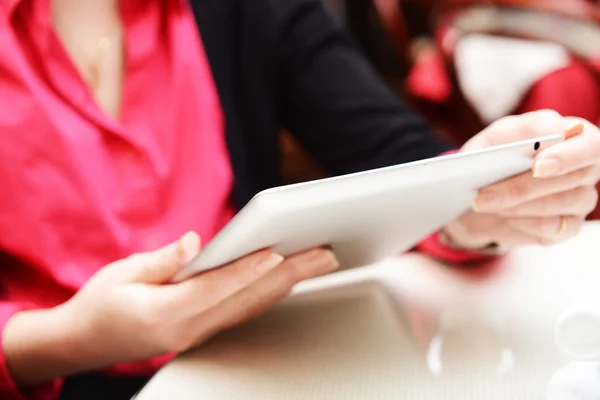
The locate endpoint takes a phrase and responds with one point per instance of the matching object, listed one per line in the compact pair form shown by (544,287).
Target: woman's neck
(91,32)
(94,14)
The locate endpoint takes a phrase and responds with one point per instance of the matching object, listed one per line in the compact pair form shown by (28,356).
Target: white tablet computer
(367,216)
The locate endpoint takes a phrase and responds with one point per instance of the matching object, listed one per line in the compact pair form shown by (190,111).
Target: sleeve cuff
(141,368)
(8,388)
(434,247)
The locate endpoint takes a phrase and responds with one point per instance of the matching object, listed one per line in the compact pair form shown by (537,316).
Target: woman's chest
(74,179)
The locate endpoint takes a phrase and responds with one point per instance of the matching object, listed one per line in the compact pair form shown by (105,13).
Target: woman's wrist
(42,345)
(489,249)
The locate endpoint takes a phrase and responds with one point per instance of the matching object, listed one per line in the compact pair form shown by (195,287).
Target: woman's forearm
(42,345)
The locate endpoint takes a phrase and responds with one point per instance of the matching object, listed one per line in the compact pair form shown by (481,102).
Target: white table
(408,328)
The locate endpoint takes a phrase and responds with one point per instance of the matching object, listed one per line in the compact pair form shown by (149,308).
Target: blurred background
(462,64)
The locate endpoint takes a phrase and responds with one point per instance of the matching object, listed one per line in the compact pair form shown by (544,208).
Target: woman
(123,126)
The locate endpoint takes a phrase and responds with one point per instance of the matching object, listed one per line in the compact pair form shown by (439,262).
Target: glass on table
(462,342)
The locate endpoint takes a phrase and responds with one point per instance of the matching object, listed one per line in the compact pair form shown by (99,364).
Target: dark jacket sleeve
(334,102)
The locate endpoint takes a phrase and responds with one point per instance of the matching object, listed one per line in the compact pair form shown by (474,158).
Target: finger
(473,230)
(579,202)
(478,230)
(524,188)
(255,299)
(512,238)
(206,290)
(519,127)
(578,152)
(160,266)
(548,230)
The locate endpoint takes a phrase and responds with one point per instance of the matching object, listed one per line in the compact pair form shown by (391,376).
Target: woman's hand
(129,311)
(544,206)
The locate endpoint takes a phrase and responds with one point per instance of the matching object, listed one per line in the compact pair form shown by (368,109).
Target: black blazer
(288,64)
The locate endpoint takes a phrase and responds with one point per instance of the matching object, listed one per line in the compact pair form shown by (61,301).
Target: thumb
(162,265)
(518,127)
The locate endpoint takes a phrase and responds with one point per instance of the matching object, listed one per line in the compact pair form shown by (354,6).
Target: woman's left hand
(544,206)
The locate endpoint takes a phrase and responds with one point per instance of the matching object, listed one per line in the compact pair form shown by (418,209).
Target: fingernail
(335,263)
(188,247)
(321,261)
(546,168)
(330,261)
(575,131)
(269,262)
(487,201)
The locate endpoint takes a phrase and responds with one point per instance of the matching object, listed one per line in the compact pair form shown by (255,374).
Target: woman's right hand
(130,311)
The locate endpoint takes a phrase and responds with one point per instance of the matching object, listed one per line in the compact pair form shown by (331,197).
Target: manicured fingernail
(269,262)
(323,260)
(487,202)
(575,131)
(188,247)
(546,168)
(333,262)
(327,261)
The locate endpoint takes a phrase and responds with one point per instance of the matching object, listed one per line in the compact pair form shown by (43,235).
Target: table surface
(409,328)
